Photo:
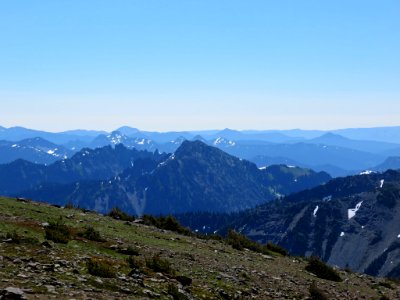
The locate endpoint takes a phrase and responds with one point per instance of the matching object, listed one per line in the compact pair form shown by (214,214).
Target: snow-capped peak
(367,172)
(223,141)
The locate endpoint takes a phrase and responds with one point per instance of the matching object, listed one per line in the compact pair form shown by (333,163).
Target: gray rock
(12,293)
(51,289)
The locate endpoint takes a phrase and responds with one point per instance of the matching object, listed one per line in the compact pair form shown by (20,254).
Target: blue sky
(199,64)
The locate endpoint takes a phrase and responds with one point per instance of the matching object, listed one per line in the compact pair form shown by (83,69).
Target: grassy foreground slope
(47,270)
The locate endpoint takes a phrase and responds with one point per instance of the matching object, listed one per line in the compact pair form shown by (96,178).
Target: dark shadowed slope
(196,177)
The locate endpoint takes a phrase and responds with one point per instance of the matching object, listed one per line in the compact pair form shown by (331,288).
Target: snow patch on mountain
(315,211)
(367,172)
(327,198)
(381,183)
(352,211)
(224,142)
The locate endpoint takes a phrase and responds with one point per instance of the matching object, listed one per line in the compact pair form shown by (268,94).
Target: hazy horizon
(194,130)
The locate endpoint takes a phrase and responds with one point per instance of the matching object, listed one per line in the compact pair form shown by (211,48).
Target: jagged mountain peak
(199,148)
(228,130)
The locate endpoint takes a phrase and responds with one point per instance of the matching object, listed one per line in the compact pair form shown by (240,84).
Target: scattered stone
(268,257)
(47,244)
(48,267)
(223,294)
(98,280)
(151,294)
(114,247)
(184,280)
(12,293)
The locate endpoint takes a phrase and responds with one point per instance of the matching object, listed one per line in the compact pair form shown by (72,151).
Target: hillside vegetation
(87,255)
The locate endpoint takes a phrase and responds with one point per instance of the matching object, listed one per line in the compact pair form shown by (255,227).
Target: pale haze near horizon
(192,65)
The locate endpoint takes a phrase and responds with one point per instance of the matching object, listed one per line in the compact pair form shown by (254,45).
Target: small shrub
(69,205)
(316,293)
(386,284)
(30,240)
(239,242)
(347,269)
(166,223)
(100,268)
(91,234)
(184,280)
(244,275)
(277,249)
(118,214)
(175,293)
(14,237)
(172,224)
(134,263)
(58,232)
(157,264)
(129,251)
(214,237)
(322,270)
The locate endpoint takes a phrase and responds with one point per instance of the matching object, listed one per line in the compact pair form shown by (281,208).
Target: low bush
(316,293)
(133,251)
(92,234)
(175,293)
(134,263)
(118,214)
(386,284)
(30,240)
(70,205)
(277,249)
(157,264)
(166,223)
(13,237)
(184,280)
(322,270)
(58,232)
(100,268)
(239,242)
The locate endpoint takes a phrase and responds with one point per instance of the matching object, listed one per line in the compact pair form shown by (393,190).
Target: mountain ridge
(195,177)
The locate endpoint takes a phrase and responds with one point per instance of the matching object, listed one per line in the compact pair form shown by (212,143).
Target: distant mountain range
(36,150)
(197,177)
(270,186)
(88,164)
(339,155)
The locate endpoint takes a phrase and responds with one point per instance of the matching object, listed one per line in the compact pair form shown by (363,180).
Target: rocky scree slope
(349,222)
